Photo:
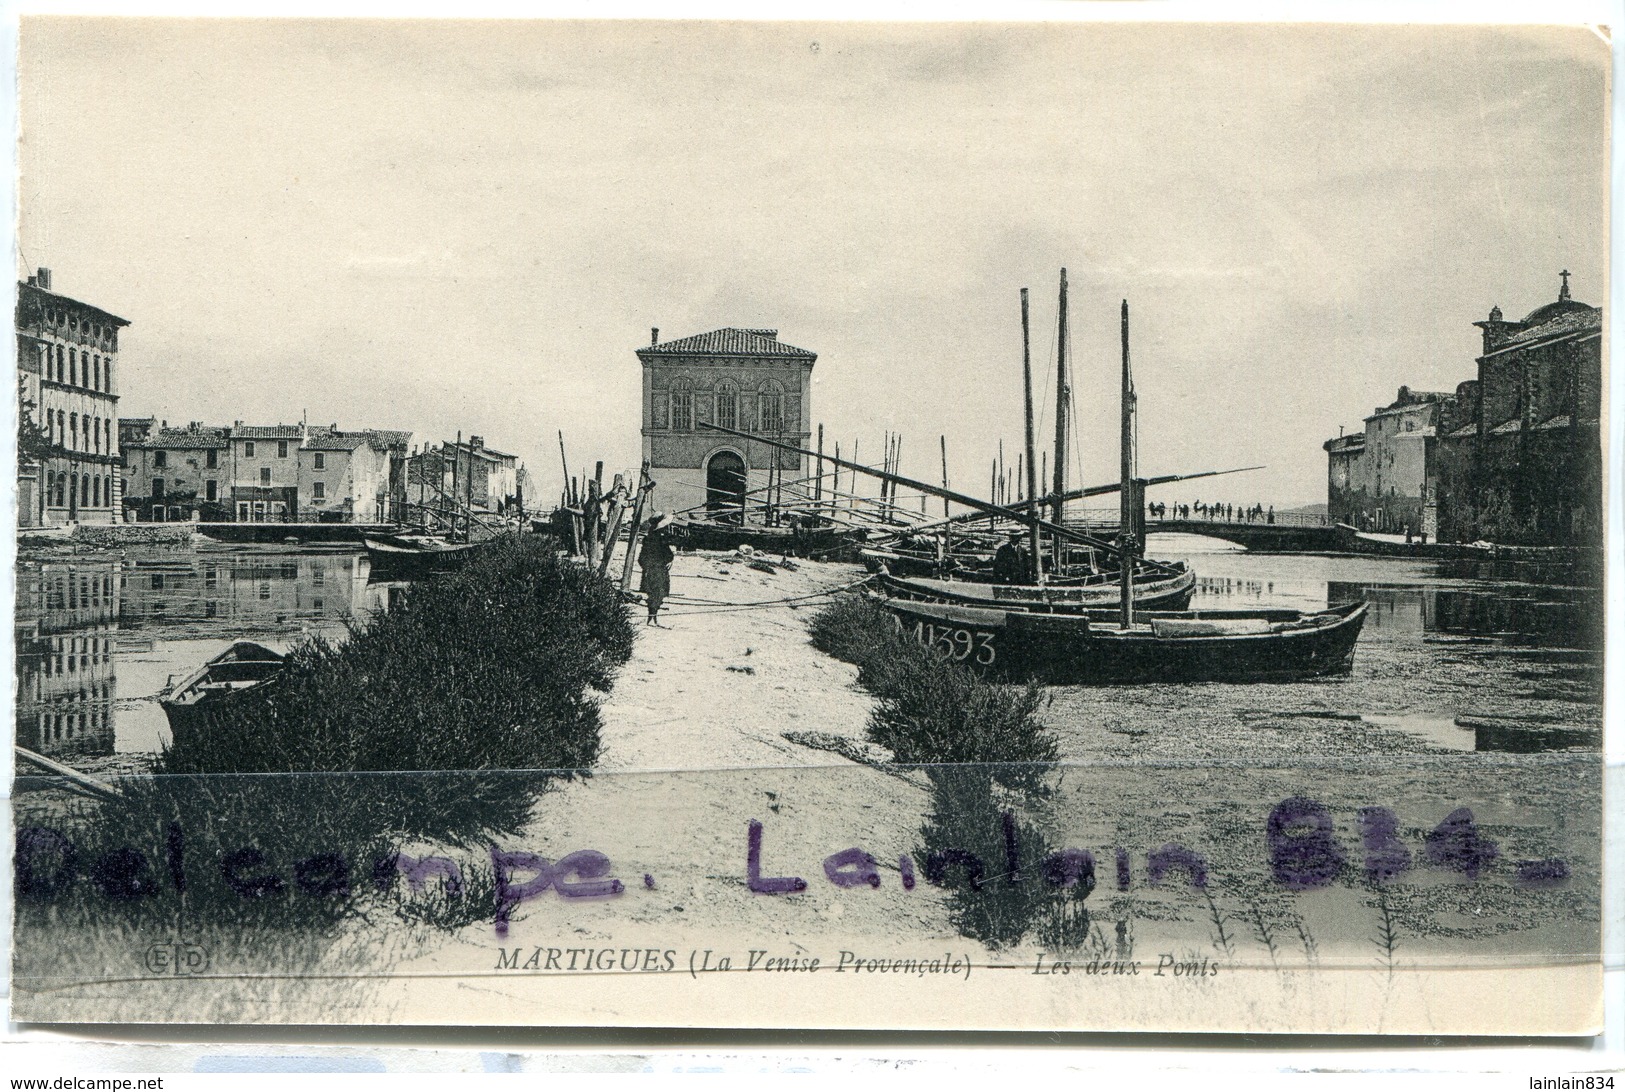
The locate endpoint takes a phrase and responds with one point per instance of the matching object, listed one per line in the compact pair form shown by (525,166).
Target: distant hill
(1304,510)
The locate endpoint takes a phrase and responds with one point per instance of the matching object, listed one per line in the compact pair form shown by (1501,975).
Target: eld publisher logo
(177,958)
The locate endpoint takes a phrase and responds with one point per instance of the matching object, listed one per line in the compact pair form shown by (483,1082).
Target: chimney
(44,278)
(476,443)
(654,335)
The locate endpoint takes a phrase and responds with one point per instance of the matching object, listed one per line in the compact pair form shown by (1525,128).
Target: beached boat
(242,666)
(1179,646)
(1154,591)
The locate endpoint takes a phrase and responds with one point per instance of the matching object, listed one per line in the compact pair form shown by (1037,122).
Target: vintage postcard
(832,525)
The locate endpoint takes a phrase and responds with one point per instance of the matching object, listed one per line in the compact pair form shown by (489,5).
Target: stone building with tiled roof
(741,378)
(1512,456)
(262,473)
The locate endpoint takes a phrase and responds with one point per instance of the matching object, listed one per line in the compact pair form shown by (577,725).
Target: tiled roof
(386,438)
(490,453)
(182,439)
(1567,324)
(1560,421)
(1511,426)
(729,341)
(24,287)
(1463,433)
(329,440)
(265,432)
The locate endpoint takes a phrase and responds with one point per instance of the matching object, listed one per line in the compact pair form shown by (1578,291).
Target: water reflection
(64,624)
(96,640)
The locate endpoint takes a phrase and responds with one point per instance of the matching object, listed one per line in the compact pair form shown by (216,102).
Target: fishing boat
(1156,591)
(1032,641)
(241,667)
(1178,646)
(410,555)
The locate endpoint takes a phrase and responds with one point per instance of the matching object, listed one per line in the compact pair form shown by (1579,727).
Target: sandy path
(692,753)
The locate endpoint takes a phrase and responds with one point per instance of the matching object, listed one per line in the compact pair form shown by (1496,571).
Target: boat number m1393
(953,643)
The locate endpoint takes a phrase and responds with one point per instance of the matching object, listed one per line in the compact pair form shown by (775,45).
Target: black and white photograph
(1045,526)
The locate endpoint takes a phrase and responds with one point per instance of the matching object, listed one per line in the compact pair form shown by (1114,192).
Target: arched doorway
(724,483)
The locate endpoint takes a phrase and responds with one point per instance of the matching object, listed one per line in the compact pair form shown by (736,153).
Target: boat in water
(243,666)
(1088,648)
(1153,591)
(403,556)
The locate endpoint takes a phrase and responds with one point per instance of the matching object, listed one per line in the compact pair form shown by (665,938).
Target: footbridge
(1286,534)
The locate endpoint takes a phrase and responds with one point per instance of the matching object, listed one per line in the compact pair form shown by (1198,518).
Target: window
(211,489)
(160,459)
(96,433)
(96,372)
(61,427)
(96,493)
(60,374)
(84,490)
(682,406)
(770,417)
(211,459)
(727,404)
(107,434)
(73,367)
(157,487)
(282,449)
(319,490)
(248,449)
(73,430)
(265,475)
(320,461)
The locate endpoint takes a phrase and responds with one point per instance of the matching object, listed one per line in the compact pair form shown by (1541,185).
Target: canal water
(98,637)
(1450,653)
(1454,656)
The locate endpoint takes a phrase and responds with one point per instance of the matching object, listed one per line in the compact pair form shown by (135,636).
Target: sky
(444,226)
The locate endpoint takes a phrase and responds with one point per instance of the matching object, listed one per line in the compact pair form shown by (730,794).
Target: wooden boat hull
(1065,650)
(1162,593)
(243,666)
(393,557)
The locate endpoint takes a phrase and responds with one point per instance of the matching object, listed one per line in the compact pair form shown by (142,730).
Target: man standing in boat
(1010,561)
(655,560)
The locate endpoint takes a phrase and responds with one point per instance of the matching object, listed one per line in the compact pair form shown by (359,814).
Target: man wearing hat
(1010,563)
(655,560)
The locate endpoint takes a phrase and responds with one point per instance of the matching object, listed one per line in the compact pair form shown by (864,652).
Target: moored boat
(1152,591)
(243,666)
(416,555)
(1177,646)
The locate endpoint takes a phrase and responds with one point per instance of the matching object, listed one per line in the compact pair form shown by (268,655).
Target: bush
(440,720)
(931,710)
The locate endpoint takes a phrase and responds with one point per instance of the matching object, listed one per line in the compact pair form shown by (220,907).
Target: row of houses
(1513,455)
(79,462)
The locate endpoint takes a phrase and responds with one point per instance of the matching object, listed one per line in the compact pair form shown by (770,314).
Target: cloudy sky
(443,226)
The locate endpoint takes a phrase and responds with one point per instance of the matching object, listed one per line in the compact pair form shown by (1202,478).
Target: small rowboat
(242,666)
(1160,592)
(1178,646)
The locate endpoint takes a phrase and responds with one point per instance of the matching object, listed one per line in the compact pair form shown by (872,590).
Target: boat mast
(1033,543)
(1128,502)
(1063,409)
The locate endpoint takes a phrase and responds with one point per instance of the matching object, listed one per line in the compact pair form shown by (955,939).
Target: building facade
(262,473)
(743,379)
(1524,464)
(1386,478)
(67,354)
(462,474)
(1511,456)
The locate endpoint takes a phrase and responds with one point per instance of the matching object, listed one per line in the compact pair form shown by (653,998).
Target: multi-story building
(263,473)
(1524,463)
(67,354)
(352,477)
(66,618)
(173,474)
(458,475)
(1385,478)
(1513,456)
(743,379)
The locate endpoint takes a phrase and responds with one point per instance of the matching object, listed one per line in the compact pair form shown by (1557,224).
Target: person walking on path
(655,560)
